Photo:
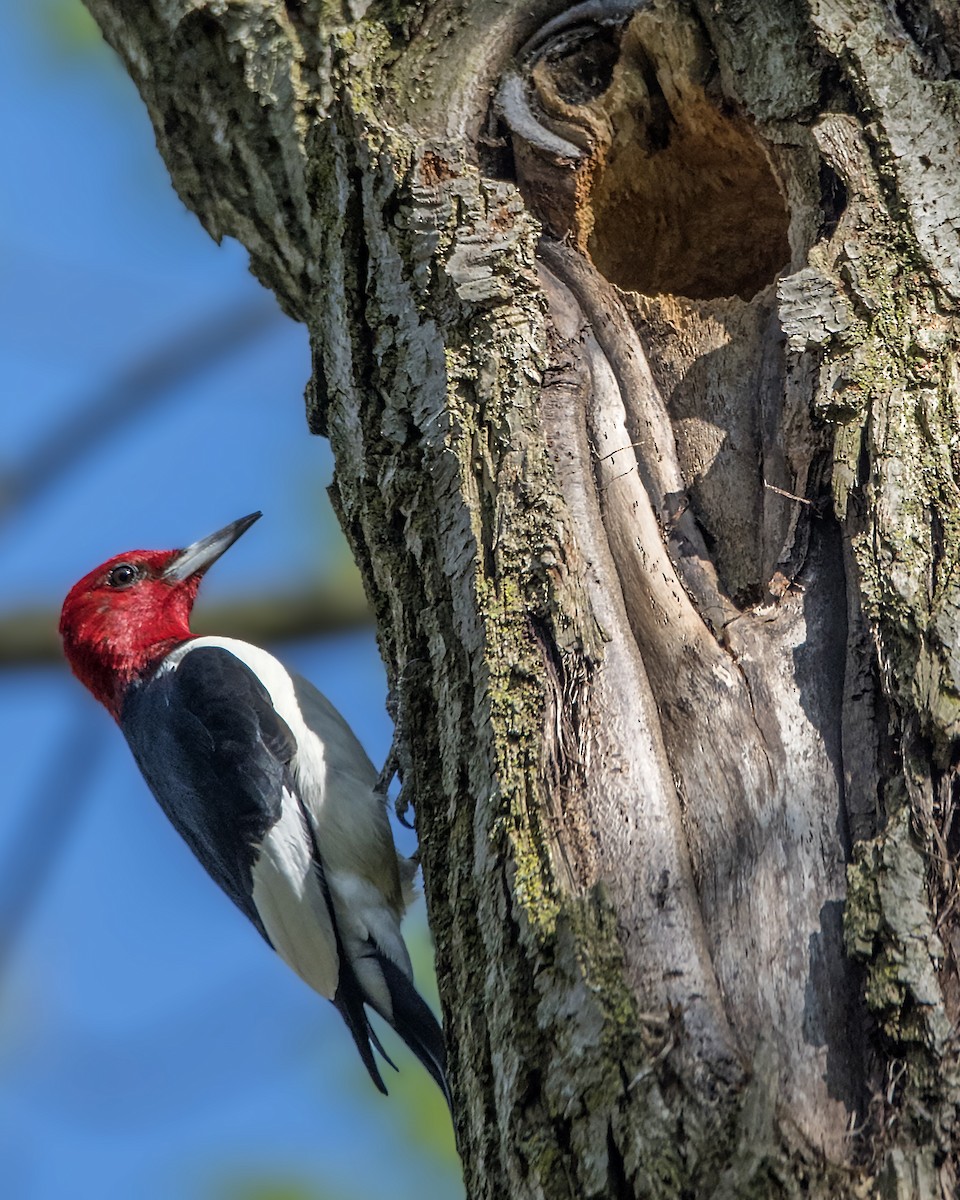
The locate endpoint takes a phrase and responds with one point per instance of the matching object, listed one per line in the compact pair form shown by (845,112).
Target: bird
(264,780)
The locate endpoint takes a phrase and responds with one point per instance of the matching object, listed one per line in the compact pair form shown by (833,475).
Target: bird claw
(389,770)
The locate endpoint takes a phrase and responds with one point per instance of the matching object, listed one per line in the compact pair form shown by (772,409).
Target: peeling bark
(635,337)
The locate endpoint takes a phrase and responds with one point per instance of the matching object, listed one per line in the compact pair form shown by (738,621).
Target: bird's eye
(122,575)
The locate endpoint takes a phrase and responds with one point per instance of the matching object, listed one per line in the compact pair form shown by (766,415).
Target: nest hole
(685,201)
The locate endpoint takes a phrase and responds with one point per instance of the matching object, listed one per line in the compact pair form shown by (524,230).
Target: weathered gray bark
(635,334)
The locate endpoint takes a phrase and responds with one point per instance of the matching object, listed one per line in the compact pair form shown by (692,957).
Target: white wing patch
(289,898)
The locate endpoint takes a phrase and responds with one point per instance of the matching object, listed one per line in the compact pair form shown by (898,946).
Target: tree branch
(134,391)
(29,637)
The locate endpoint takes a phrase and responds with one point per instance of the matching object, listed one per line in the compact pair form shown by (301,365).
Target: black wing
(216,755)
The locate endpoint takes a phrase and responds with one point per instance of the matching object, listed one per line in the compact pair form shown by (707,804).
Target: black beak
(195,559)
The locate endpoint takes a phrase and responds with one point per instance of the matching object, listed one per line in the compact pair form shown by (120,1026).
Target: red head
(119,621)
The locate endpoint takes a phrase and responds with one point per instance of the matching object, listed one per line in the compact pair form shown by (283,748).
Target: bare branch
(136,389)
(28,637)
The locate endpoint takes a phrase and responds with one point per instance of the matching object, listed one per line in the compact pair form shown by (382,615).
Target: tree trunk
(635,337)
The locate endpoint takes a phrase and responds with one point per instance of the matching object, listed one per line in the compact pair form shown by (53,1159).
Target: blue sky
(150,1044)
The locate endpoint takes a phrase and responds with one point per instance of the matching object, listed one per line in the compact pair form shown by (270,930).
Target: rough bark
(635,337)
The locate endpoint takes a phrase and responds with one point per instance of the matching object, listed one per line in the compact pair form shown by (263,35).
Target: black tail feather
(411,1018)
(372,1034)
(414,1021)
(349,1003)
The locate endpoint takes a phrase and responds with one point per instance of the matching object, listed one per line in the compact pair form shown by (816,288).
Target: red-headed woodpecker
(264,780)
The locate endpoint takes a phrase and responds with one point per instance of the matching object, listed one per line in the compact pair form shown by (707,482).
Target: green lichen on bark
(905,534)
(895,489)
(888,926)
(889,384)
(459,416)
